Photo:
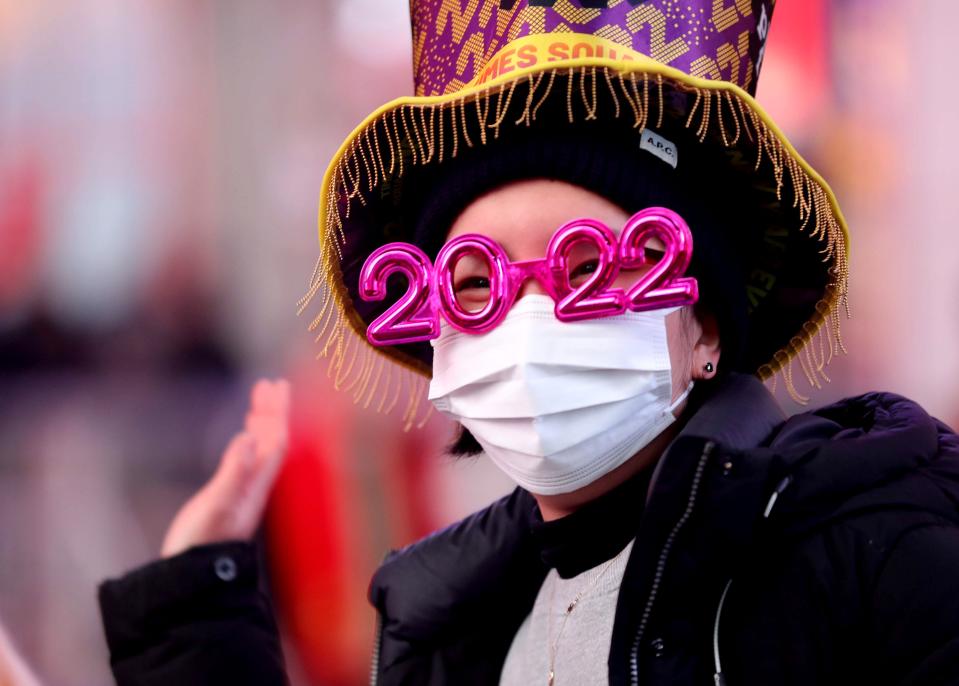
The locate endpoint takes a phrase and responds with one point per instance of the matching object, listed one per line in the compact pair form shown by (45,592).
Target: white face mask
(556,405)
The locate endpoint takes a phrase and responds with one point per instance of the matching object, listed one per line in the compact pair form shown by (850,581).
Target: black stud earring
(708,367)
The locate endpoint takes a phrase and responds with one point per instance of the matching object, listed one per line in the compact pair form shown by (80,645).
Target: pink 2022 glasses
(431,289)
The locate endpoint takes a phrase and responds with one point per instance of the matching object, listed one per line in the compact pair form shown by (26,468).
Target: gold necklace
(569,610)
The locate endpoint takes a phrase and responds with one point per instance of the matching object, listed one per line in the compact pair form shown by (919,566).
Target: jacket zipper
(719,678)
(663,556)
(377,642)
(378,639)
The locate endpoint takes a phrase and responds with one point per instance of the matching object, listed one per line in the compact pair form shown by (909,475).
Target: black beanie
(632,178)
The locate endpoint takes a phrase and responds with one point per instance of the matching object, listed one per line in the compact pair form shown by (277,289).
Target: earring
(708,367)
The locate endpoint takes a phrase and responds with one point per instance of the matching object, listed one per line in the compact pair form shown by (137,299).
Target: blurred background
(159,174)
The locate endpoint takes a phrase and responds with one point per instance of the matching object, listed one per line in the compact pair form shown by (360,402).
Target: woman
(669,525)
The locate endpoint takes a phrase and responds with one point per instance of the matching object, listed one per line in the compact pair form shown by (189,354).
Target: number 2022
(430,290)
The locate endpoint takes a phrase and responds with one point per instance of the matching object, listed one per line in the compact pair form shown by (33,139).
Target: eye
(472,292)
(653,255)
(471,282)
(583,269)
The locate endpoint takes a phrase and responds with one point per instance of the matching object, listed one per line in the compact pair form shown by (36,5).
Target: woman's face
(522,217)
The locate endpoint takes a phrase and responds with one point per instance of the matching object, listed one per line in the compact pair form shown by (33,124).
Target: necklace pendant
(551,675)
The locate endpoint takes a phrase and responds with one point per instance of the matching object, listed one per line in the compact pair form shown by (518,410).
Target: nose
(530,285)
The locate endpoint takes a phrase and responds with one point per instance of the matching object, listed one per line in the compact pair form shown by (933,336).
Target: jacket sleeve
(195,618)
(916,607)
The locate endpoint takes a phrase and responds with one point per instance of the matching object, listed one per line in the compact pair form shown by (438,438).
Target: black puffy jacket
(823,549)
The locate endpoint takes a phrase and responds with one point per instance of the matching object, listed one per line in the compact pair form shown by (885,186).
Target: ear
(707,349)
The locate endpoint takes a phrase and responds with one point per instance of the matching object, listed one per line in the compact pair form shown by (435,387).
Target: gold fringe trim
(410,136)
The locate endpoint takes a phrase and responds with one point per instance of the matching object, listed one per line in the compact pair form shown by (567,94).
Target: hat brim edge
(339,298)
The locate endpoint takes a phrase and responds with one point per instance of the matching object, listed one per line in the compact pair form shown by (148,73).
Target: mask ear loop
(682,396)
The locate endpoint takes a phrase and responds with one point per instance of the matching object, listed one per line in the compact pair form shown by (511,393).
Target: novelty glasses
(474,284)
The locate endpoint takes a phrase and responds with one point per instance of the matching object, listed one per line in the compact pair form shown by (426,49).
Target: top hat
(669,82)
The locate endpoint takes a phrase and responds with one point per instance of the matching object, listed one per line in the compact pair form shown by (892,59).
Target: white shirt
(580,649)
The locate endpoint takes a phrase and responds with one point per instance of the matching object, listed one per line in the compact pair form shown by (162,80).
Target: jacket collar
(720,417)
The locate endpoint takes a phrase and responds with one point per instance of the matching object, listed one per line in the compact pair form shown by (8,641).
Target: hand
(231,504)
(14,670)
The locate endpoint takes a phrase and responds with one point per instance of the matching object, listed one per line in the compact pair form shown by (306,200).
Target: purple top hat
(454,42)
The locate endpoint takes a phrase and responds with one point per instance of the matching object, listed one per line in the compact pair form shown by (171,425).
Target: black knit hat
(631,178)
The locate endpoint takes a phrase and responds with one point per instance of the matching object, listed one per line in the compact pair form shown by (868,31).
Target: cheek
(680,351)
(627,279)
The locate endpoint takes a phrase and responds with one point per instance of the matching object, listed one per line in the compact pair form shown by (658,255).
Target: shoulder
(877,414)
(502,524)
(869,474)
(482,565)
(453,565)
(875,452)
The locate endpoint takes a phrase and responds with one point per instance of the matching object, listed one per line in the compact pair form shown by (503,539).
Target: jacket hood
(873,451)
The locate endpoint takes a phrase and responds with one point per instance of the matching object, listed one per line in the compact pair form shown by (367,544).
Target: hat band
(557,49)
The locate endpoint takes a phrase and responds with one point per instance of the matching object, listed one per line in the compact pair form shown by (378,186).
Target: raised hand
(230,505)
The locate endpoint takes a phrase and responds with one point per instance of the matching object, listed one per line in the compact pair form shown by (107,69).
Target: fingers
(231,504)
(268,416)
(239,459)
(270,397)
(267,421)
